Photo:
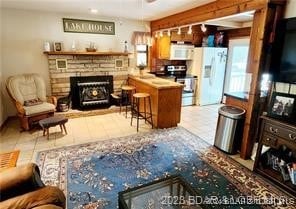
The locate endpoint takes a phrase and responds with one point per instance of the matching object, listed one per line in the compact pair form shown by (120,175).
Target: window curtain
(141,38)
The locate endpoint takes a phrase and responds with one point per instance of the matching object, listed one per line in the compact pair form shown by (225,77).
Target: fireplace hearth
(91,91)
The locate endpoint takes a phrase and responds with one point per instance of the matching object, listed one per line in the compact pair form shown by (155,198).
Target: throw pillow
(32,102)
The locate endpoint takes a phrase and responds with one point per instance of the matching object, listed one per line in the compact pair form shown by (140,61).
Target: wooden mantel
(87,53)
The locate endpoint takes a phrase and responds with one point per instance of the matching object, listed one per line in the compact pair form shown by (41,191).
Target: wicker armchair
(28,93)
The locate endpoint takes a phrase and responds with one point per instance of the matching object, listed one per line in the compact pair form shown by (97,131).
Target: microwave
(181,52)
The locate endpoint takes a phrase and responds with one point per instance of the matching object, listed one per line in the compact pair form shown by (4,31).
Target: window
(237,79)
(141,54)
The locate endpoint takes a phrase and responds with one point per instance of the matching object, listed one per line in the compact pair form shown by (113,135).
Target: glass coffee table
(169,193)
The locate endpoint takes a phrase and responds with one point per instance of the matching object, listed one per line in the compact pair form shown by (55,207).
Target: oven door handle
(187,85)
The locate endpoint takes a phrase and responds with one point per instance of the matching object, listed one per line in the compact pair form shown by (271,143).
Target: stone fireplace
(89,69)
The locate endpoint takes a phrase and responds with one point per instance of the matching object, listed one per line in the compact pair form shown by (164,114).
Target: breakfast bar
(165,98)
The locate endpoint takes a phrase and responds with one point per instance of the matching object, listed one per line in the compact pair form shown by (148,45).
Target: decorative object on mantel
(57,46)
(87,53)
(125,47)
(73,46)
(88,26)
(46,46)
(91,47)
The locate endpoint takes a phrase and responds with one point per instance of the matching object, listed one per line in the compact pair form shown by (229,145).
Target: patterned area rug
(92,174)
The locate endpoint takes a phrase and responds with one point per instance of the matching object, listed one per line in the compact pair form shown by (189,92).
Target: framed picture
(118,63)
(57,46)
(283,106)
(61,64)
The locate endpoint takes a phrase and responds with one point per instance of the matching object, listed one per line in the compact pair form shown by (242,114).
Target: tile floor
(199,120)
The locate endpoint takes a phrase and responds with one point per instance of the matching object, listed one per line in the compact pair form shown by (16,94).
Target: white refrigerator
(208,64)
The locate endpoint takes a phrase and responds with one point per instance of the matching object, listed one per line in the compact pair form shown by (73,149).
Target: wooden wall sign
(88,26)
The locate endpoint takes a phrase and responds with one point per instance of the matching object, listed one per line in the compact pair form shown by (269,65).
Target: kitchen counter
(244,96)
(156,82)
(166,99)
(161,74)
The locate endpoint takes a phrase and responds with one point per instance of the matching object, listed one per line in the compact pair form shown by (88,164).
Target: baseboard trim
(6,121)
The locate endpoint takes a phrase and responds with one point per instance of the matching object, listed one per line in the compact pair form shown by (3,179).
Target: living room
(93,154)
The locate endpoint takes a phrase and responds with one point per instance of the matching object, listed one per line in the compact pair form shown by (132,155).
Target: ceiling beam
(213,10)
(247,24)
(224,23)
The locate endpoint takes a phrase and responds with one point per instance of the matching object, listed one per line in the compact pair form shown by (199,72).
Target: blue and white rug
(92,174)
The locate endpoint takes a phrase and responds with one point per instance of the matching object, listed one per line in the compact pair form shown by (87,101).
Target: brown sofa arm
(52,100)
(19,180)
(49,206)
(46,197)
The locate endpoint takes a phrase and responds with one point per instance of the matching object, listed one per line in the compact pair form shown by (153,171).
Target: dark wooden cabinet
(280,139)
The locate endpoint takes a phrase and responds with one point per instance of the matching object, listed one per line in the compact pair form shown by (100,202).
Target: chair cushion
(39,108)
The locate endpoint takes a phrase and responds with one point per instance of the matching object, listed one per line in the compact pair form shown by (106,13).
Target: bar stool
(135,109)
(126,91)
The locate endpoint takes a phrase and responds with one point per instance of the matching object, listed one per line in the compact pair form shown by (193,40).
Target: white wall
(290,9)
(24,32)
(3,114)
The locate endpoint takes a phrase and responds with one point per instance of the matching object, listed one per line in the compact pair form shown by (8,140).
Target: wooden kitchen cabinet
(280,137)
(163,47)
(184,36)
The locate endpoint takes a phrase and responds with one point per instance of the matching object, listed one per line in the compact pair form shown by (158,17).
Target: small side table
(53,121)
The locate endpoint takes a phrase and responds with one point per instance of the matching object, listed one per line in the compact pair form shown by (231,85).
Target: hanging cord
(120,12)
(142,11)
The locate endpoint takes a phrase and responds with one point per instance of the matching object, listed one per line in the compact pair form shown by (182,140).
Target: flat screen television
(283,63)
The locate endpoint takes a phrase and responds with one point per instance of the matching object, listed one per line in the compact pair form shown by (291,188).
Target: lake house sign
(88,26)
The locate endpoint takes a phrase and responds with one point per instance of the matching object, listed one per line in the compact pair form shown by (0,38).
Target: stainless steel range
(189,82)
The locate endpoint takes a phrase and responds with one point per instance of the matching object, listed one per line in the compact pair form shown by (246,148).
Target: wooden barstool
(126,91)
(135,109)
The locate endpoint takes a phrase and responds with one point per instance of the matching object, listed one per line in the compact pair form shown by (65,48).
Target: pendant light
(179,31)
(203,28)
(189,30)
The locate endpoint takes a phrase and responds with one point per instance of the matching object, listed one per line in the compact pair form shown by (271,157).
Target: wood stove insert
(91,91)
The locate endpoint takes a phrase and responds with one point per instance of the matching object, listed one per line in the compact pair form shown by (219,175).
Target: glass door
(236,78)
